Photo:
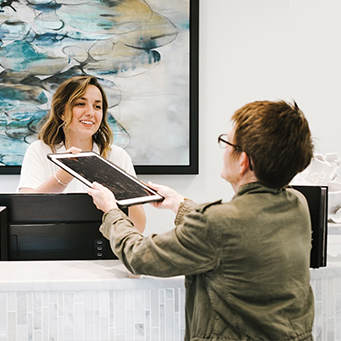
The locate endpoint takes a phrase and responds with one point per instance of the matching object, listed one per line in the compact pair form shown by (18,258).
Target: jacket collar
(255,187)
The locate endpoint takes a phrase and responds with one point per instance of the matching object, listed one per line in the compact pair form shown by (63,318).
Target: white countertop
(97,275)
(75,275)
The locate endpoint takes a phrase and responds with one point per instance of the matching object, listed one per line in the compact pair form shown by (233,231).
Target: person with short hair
(77,121)
(246,261)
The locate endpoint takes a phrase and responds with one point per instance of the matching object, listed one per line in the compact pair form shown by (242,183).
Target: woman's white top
(37,168)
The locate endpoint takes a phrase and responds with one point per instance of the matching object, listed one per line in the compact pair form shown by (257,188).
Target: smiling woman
(85,119)
(77,121)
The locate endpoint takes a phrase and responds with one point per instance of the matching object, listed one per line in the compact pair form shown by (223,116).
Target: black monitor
(317,197)
(51,227)
(66,227)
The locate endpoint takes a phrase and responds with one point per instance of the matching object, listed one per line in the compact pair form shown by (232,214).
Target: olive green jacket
(246,263)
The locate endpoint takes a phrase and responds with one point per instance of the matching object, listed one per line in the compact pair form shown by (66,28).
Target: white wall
(256,50)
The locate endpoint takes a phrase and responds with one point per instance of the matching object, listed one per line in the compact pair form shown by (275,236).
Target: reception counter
(87,300)
(100,300)
(326,284)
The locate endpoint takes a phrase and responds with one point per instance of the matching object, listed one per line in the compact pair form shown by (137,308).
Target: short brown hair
(277,137)
(53,127)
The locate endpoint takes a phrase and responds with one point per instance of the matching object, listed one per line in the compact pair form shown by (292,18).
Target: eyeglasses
(222,140)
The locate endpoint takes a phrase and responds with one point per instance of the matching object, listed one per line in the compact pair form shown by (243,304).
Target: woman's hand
(64,177)
(172,198)
(102,197)
(57,182)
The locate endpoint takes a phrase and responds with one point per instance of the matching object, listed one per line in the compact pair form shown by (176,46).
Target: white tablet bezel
(154,196)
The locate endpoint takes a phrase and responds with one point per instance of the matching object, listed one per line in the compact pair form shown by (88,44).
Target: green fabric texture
(246,263)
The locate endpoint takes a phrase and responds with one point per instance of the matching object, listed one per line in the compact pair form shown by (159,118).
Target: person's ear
(244,163)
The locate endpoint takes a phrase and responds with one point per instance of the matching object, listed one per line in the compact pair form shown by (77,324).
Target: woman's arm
(138,217)
(56,183)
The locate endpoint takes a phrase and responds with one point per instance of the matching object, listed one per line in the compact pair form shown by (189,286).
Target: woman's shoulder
(120,157)
(39,146)
(118,152)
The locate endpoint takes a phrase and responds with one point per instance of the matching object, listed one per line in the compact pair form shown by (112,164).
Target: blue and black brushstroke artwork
(44,42)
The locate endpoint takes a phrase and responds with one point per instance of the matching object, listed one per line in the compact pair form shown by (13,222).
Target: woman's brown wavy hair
(54,129)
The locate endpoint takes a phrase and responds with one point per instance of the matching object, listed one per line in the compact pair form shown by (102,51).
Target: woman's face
(87,113)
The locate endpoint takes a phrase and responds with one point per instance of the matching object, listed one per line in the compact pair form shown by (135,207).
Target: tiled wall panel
(90,301)
(129,315)
(327,292)
(120,315)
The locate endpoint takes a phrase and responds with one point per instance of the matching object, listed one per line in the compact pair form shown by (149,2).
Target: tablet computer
(90,166)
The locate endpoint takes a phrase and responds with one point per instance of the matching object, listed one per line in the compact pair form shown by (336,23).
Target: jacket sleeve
(185,250)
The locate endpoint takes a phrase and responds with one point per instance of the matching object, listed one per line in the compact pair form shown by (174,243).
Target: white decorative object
(325,170)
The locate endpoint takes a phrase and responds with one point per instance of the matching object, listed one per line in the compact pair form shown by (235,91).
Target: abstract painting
(144,53)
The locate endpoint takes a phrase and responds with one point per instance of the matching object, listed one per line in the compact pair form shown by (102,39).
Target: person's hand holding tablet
(90,167)
(103,198)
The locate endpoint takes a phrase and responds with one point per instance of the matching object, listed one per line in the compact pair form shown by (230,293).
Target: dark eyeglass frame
(223,138)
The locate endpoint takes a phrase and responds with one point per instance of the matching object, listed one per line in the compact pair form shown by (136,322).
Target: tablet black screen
(93,169)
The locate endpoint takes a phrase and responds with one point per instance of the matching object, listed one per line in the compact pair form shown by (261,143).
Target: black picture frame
(193,165)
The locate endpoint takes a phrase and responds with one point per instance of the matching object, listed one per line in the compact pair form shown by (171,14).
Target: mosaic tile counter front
(88,300)
(96,300)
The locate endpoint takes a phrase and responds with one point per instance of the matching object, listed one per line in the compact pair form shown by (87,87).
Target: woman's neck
(83,144)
